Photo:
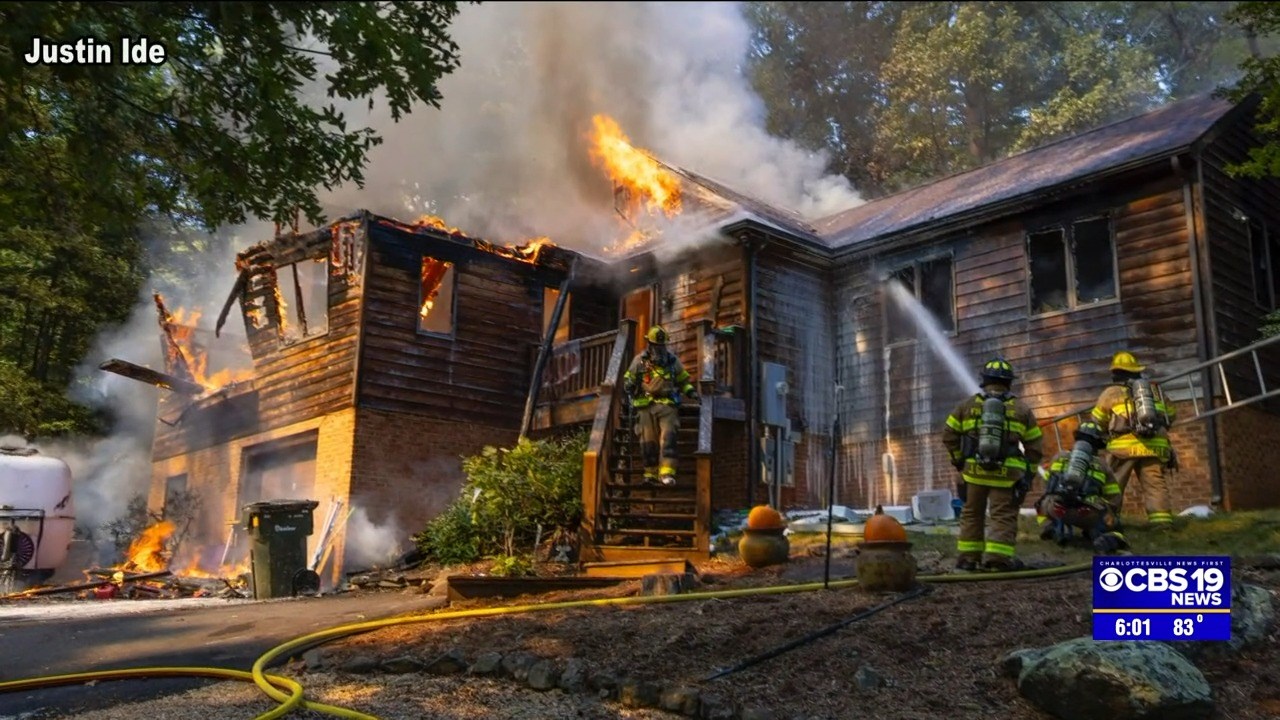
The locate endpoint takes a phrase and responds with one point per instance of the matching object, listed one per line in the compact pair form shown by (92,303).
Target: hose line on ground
(271,684)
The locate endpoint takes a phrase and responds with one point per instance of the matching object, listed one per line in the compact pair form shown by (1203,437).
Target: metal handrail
(1189,374)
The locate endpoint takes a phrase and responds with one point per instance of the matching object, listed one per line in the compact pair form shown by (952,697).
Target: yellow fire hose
(291,696)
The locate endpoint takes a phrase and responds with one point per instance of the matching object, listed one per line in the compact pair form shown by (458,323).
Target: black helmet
(997,370)
(1091,432)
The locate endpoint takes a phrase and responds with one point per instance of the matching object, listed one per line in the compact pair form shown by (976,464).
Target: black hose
(911,595)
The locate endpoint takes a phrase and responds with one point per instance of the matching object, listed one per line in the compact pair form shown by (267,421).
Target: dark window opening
(549,297)
(1095,264)
(1072,267)
(931,283)
(436,293)
(1047,252)
(1265,254)
(304,298)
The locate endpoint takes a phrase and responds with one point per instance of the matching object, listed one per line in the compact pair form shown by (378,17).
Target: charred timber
(544,352)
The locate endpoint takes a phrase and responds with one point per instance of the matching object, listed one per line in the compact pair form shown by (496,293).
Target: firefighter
(654,382)
(1134,413)
(995,443)
(1082,493)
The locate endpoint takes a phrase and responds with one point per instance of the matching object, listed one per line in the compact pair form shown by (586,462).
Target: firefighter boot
(1109,542)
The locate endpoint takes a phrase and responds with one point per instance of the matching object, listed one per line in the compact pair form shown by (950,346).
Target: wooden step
(648,500)
(638,533)
(650,516)
(607,552)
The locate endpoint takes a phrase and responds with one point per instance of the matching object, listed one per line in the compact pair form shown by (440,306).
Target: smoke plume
(505,157)
(370,545)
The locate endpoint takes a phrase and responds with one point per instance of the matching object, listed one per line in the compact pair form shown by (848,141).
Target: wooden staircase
(636,514)
(623,518)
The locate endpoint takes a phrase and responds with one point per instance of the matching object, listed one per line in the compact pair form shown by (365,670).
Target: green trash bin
(278,532)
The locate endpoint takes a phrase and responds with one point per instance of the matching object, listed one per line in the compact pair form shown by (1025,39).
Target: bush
(1271,324)
(508,494)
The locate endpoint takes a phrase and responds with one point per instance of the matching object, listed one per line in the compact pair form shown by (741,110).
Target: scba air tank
(991,435)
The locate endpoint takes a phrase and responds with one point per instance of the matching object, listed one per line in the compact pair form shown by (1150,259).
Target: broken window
(549,297)
(304,298)
(1073,266)
(436,293)
(931,283)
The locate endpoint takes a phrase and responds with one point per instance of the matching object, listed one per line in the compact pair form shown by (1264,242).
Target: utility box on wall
(773,394)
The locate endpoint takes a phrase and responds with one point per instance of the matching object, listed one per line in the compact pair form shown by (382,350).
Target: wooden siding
(1237,316)
(795,318)
(293,381)
(687,289)
(480,373)
(1061,358)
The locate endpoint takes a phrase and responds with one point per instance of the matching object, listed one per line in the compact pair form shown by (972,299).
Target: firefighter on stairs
(654,383)
(1133,411)
(1082,494)
(994,441)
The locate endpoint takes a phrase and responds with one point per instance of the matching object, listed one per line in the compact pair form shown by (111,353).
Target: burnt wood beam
(544,352)
(237,291)
(297,298)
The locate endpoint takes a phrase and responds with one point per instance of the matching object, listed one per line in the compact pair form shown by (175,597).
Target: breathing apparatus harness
(1073,483)
(1145,415)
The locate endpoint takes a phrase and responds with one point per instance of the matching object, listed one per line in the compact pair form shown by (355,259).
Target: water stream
(928,326)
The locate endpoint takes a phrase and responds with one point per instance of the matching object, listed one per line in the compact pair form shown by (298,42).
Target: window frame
(917,288)
(566,320)
(289,314)
(1269,261)
(1067,228)
(452,273)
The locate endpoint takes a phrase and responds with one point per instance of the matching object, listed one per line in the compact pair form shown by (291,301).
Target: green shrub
(508,494)
(511,566)
(1271,324)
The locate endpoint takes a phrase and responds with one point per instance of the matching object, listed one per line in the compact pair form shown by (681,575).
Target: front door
(638,306)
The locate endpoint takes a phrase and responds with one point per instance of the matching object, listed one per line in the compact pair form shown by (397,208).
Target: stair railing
(597,459)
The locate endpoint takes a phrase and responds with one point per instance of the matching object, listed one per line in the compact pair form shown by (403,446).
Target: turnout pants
(657,424)
(1091,521)
(1152,482)
(994,544)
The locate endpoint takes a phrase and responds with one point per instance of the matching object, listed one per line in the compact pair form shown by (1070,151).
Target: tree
(900,93)
(1260,20)
(233,124)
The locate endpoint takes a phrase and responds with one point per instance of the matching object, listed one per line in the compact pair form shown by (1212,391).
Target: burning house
(383,351)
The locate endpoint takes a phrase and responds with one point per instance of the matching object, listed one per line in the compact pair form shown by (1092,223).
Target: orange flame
(633,169)
(432,275)
(636,240)
(432,221)
(147,553)
(184,350)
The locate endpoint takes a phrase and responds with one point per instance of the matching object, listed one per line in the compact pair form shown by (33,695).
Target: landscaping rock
(715,707)
(638,693)
(359,665)
(451,662)
(683,700)
(1083,679)
(1011,665)
(757,714)
(667,583)
(1252,615)
(313,660)
(517,664)
(605,682)
(489,663)
(402,665)
(574,676)
(868,679)
(543,675)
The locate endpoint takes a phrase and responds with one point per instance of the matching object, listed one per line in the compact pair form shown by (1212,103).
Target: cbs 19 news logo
(1199,587)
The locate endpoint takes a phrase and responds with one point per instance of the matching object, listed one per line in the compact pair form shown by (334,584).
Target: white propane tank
(32,485)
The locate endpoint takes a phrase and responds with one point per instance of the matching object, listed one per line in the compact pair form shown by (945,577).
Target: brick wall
(729,466)
(215,474)
(1249,477)
(408,468)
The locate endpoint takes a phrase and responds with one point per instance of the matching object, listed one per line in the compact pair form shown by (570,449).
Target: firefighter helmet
(1091,432)
(1124,360)
(657,335)
(997,370)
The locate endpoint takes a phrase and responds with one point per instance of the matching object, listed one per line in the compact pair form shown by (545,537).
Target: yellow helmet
(1124,360)
(656,335)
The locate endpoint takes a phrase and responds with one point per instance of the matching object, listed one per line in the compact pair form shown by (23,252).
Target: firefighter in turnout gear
(1082,494)
(995,443)
(1136,417)
(654,383)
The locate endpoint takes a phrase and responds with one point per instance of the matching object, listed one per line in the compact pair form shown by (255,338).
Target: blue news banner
(1162,598)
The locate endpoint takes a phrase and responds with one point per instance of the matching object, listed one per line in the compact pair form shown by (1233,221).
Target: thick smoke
(506,155)
(370,544)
